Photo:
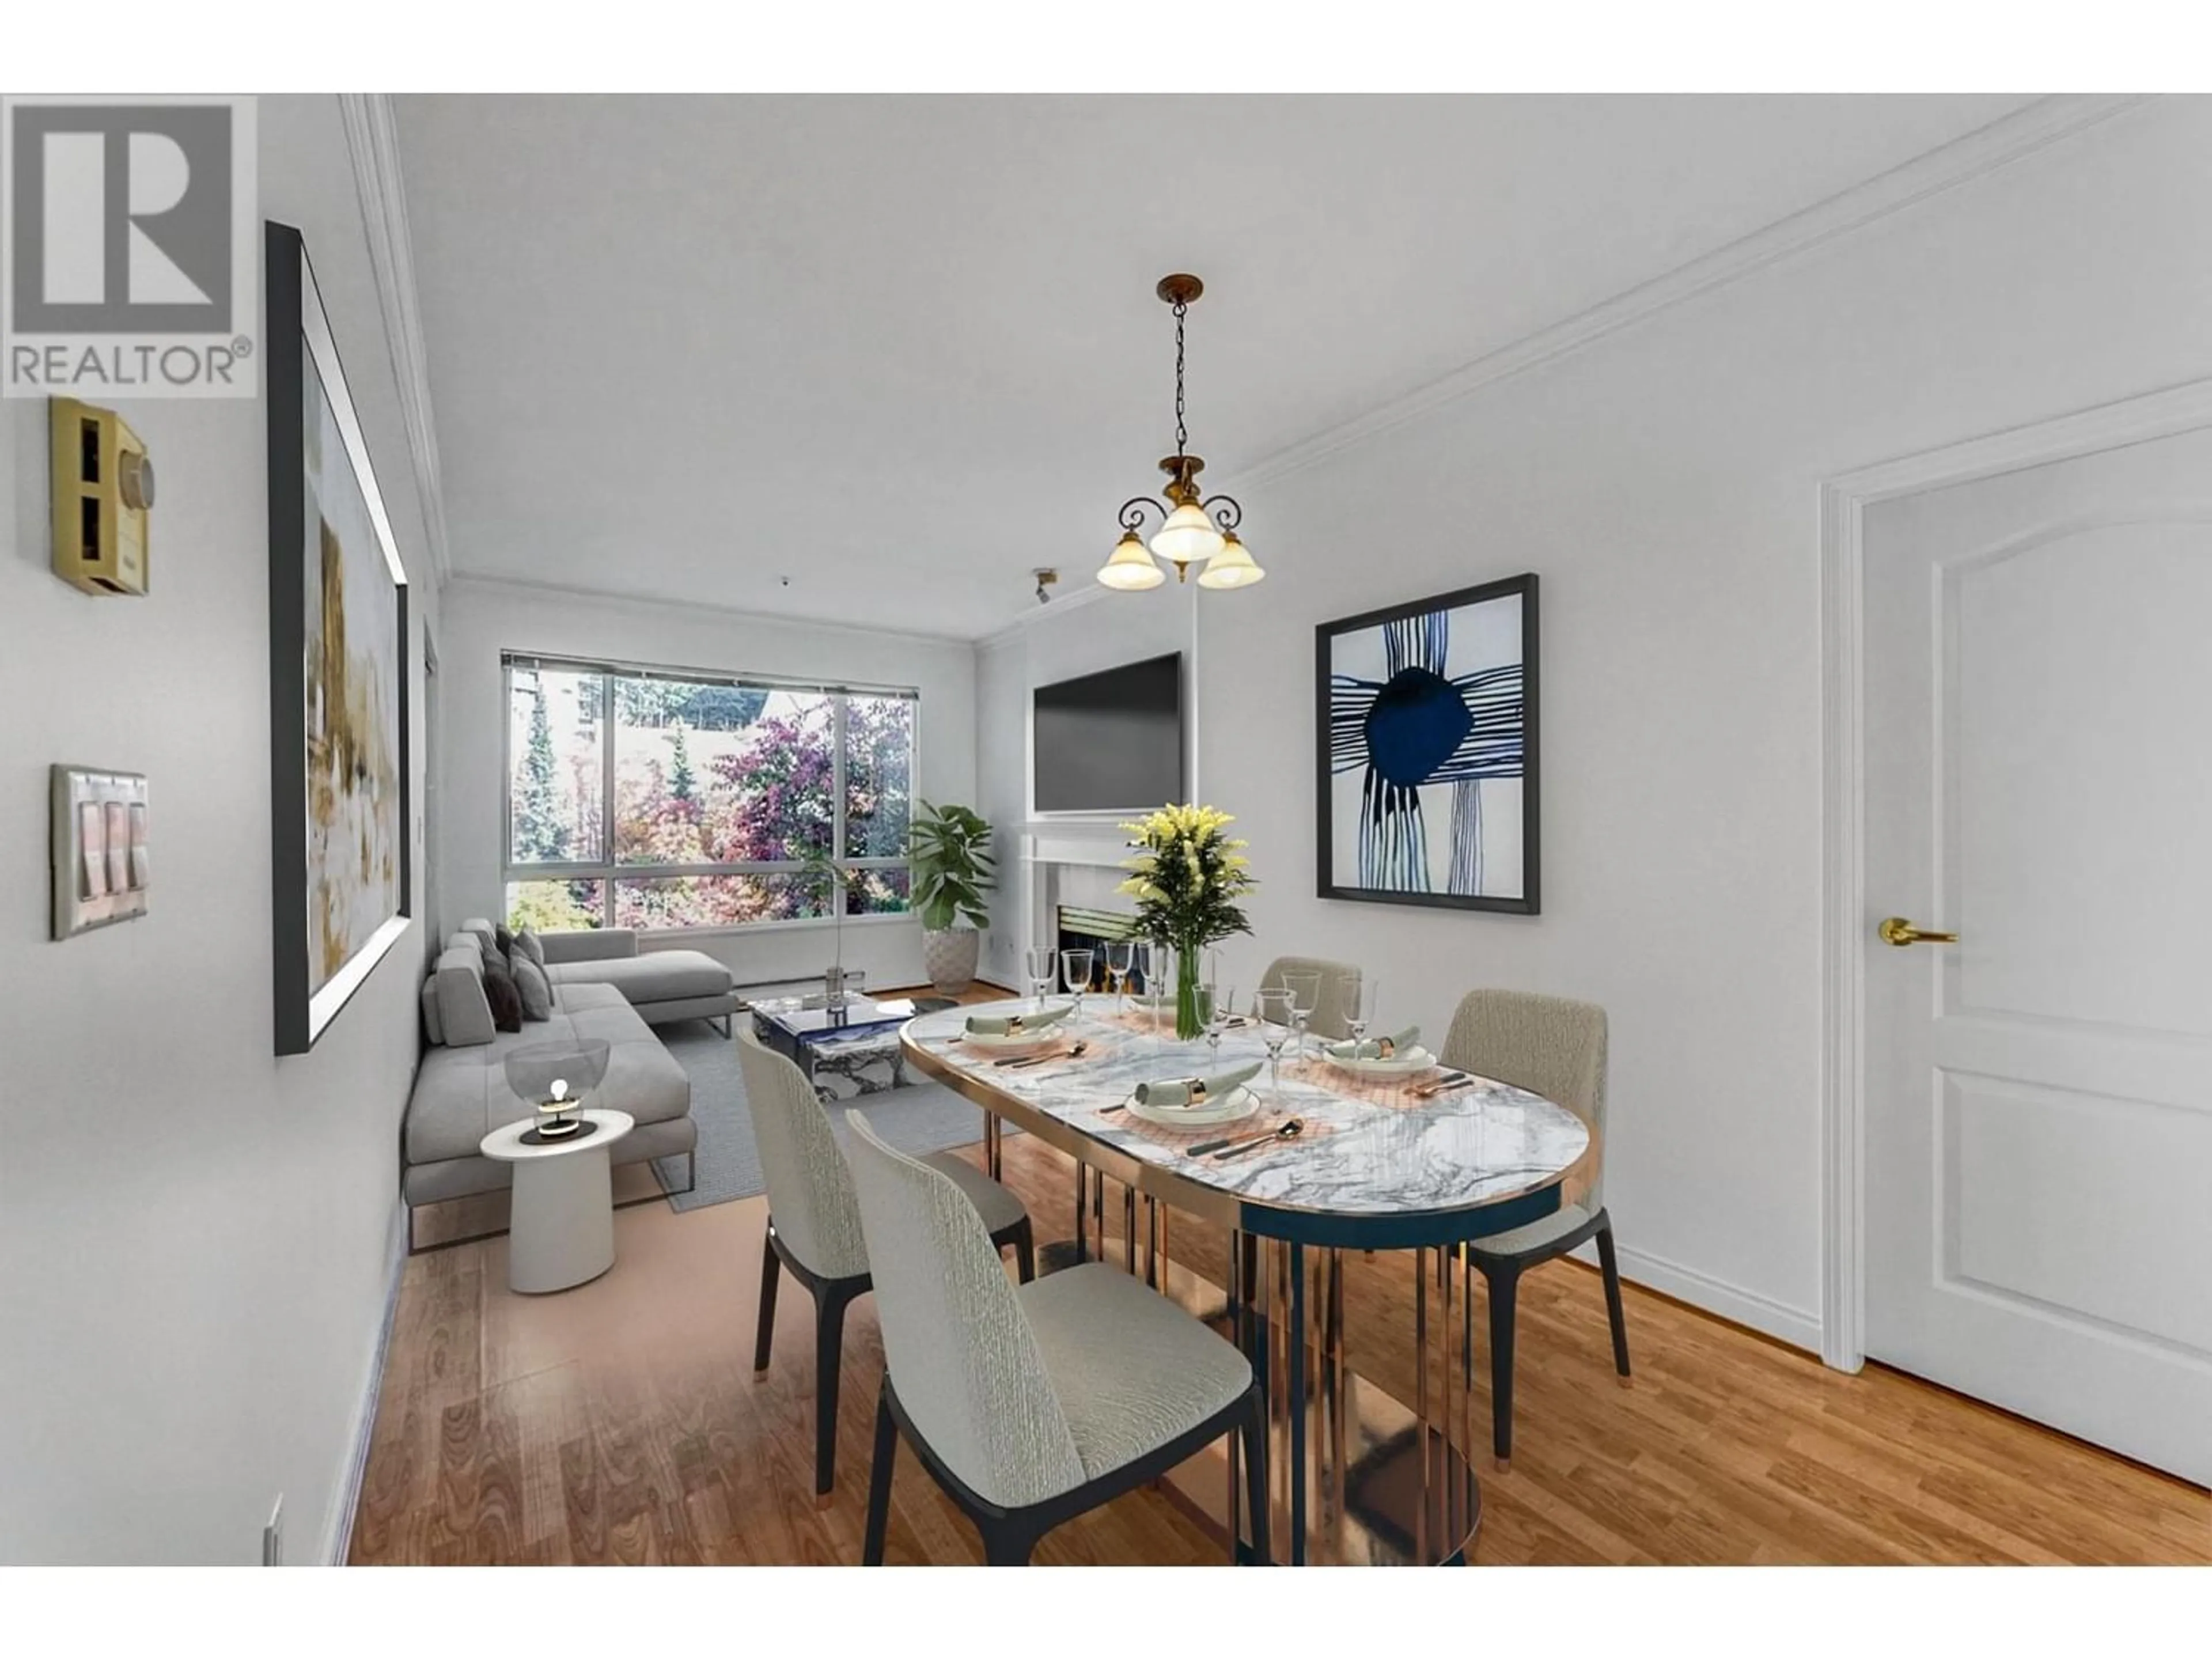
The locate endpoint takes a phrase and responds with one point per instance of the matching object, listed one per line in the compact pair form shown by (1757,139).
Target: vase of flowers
(1187,877)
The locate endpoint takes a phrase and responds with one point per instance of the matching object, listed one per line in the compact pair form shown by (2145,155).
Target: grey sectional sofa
(460,1090)
(661,985)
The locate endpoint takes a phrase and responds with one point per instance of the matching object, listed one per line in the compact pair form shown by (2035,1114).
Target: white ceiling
(873,359)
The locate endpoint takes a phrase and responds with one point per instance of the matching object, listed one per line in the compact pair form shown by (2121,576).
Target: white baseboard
(337,1532)
(1799,1329)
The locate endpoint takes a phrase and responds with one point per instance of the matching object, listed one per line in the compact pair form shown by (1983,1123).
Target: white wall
(483,619)
(195,1236)
(1663,482)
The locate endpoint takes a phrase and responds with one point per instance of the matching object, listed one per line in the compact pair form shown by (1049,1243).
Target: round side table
(562,1229)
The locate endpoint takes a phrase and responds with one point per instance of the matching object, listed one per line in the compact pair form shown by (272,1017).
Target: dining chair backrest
(810,1189)
(1554,1047)
(956,1344)
(1339,992)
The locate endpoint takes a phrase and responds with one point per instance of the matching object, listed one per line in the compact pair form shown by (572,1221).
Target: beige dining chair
(1340,992)
(1556,1047)
(814,1225)
(1030,1405)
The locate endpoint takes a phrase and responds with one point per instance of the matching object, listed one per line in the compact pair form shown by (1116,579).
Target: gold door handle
(1896,930)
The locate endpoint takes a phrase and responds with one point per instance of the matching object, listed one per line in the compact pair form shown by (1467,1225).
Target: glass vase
(1190,996)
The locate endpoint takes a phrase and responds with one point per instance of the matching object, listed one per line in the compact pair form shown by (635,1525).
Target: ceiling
(873,359)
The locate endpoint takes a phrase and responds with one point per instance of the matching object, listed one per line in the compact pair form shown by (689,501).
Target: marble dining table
(1375,1164)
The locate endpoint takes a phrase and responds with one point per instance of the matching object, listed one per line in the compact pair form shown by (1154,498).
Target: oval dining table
(1356,1474)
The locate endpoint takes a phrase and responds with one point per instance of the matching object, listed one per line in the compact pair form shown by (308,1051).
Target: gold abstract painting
(355,666)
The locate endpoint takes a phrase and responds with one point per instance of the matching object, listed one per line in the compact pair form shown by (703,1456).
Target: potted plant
(1188,879)
(950,848)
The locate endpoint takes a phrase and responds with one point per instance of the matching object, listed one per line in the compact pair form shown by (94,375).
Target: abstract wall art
(338,672)
(1426,720)
(102,862)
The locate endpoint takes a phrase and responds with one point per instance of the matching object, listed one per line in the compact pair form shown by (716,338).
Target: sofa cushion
(463,1011)
(433,1032)
(531,945)
(657,976)
(461,1094)
(501,990)
(537,990)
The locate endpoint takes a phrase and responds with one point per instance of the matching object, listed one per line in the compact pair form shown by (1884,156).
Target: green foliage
(703,708)
(950,847)
(554,907)
(681,782)
(540,836)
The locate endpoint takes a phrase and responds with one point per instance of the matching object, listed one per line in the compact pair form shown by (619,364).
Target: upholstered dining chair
(814,1225)
(1339,992)
(1556,1047)
(1030,1405)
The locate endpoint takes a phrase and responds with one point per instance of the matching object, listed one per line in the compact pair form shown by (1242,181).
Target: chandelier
(1191,530)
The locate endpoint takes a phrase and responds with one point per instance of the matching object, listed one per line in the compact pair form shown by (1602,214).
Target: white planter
(948,957)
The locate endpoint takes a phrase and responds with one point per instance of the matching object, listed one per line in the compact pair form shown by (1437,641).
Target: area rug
(922,1117)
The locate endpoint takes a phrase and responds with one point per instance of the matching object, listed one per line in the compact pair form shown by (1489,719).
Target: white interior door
(2038,729)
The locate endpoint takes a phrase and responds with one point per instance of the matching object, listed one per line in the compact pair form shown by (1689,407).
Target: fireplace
(1082,929)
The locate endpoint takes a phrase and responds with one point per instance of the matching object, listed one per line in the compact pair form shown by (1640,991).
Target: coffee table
(847,1050)
(562,1229)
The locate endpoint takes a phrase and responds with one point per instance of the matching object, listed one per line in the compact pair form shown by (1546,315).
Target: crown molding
(494,588)
(372,139)
(2011,138)
(1000,638)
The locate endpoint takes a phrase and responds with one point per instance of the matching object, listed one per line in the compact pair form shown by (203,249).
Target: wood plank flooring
(622,1422)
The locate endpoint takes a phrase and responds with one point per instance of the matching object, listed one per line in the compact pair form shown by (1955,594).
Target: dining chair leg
(1611,1266)
(771,1271)
(1505,1280)
(1254,1430)
(879,1481)
(830,1303)
(1025,1251)
(1007,1545)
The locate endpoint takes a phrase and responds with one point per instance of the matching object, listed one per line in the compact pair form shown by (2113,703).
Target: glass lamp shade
(557,1076)
(1187,535)
(1131,568)
(1232,567)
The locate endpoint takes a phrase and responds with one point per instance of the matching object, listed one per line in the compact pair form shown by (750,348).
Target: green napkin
(1195,1090)
(1015,1025)
(1372,1048)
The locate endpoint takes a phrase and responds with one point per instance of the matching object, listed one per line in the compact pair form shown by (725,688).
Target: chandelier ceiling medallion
(1193,531)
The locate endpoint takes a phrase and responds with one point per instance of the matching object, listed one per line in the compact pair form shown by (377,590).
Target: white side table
(563,1230)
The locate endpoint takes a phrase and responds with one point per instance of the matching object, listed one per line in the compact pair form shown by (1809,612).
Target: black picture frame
(1335,739)
(298,338)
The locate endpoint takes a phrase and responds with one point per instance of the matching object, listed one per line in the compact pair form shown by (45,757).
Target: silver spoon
(1290,1131)
(1075,1052)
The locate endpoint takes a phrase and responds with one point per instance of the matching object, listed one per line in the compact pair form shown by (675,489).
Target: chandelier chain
(1183,433)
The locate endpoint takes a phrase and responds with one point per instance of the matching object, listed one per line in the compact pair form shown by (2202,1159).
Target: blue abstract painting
(1428,750)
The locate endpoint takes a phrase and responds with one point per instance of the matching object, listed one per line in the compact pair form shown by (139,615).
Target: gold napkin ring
(1197,1090)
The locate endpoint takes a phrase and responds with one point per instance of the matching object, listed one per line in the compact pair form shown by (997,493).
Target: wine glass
(1359,1008)
(1303,985)
(1075,975)
(1271,1008)
(1119,955)
(1141,977)
(1220,1008)
(1040,961)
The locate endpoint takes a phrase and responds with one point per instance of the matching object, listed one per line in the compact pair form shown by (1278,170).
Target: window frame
(608,871)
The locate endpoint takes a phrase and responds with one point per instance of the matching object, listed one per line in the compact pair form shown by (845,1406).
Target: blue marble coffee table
(846,1050)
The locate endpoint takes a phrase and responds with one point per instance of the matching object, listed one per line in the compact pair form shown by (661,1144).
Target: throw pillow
(505,940)
(537,990)
(531,945)
(505,997)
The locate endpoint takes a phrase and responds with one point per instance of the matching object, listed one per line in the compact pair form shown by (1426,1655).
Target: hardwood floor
(622,1422)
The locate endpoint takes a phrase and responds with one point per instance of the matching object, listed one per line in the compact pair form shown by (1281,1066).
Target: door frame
(1843,501)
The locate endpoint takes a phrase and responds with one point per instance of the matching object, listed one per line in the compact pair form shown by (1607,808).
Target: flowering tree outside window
(717,796)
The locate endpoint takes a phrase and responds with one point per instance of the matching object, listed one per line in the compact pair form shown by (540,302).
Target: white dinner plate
(1240,1102)
(1415,1058)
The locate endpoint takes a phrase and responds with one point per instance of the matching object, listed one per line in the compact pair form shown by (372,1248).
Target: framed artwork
(101,862)
(337,672)
(1426,718)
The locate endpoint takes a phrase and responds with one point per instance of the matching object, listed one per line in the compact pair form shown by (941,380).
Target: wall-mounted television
(1111,742)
